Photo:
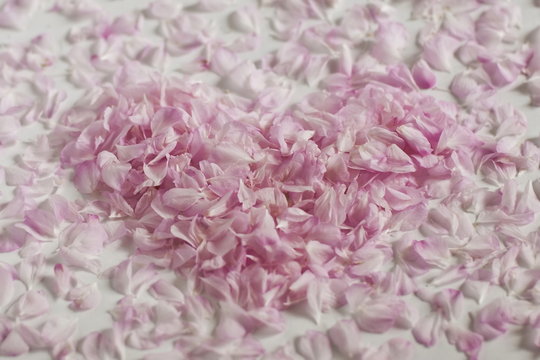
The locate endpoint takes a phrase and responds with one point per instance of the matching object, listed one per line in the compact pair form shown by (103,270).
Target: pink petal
(379,317)
(7,286)
(415,139)
(476,290)
(502,72)
(245,20)
(181,199)
(84,297)
(13,345)
(162,289)
(423,76)
(12,239)
(465,341)
(393,349)
(86,177)
(63,279)
(391,39)
(533,64)
(105,344)
(426,331)
(319,299)
(88,238)
(345,336)
(314,345)
(31,304)
(533,87)
(439,52)
(163,9)
(42,221)
(493,320)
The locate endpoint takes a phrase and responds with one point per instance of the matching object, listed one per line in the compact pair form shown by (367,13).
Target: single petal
(423,76)
(533,86)
(346,338)
(31,304)
(426,331)
(13,345)
(314,345)
(84,297)
(7,286)
(439,52)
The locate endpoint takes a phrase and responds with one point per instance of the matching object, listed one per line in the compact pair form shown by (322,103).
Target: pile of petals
(230,209)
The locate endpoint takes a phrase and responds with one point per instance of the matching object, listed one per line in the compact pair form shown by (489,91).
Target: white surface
(56,26)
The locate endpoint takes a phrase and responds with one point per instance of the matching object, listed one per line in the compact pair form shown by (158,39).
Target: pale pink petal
(314,345)
(502,72)
(78,259)
(163,9)
(494,319)
(31,304)
(393,349)
(346,338)
(13,345)
(439,52)
(465,341)
(534,91)
(84,297)
(319,299)
(476,290)
(427,330)
(7,286)
(245,20)
(63,279)
(391,39)
(104,344)
(86,177)
(181,199)
(380,316)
